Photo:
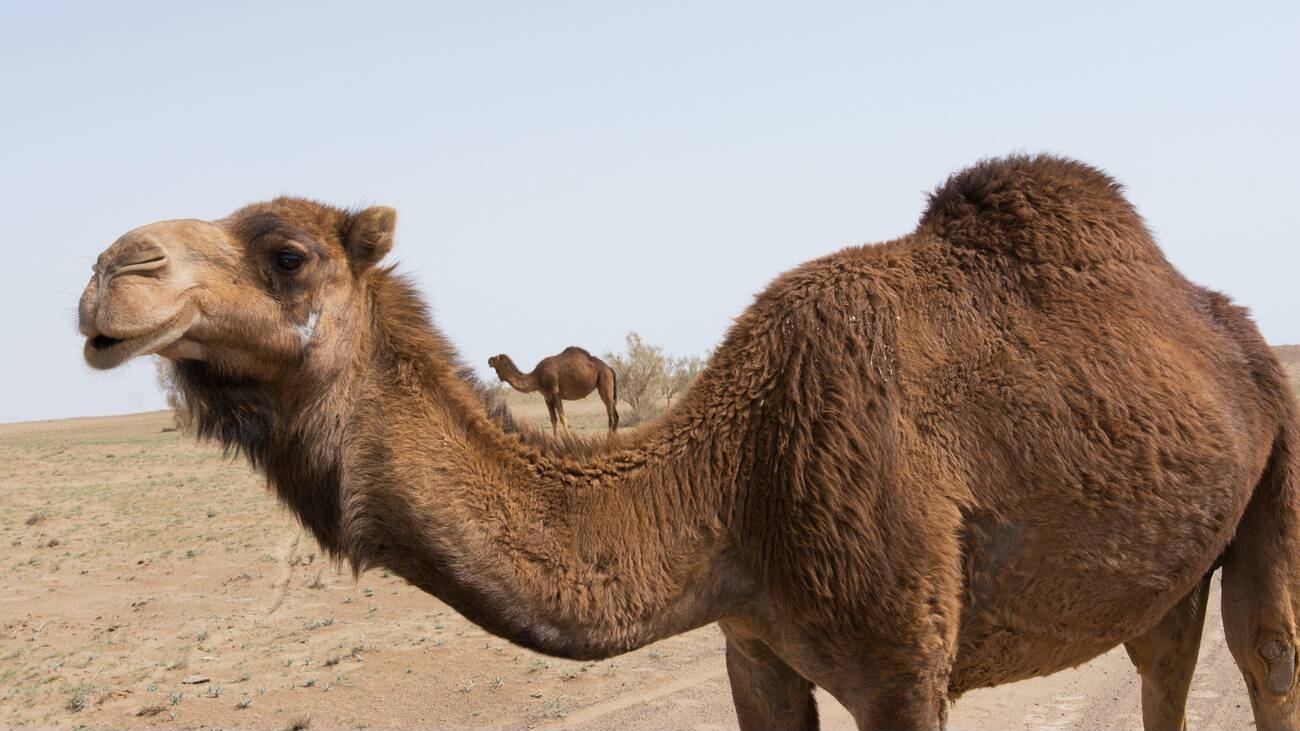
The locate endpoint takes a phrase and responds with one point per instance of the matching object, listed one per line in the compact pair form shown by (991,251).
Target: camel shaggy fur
(988,450)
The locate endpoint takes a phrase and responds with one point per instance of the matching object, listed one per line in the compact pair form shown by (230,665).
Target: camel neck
(585,550)
(510,373)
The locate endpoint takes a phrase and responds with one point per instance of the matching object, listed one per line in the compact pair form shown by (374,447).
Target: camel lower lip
(104,352)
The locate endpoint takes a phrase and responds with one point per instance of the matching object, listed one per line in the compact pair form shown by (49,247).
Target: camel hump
(1040,209)
(575,350)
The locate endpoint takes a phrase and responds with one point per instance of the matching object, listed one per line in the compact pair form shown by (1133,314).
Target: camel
(990,449)
(571,374)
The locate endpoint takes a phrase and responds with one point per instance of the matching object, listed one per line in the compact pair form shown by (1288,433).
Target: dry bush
(638,369)
(649,379)
(679,375)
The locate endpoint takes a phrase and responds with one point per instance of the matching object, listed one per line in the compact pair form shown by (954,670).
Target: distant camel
(570,375)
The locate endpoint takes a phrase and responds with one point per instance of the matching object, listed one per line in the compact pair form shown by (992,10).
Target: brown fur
(988,450)
(571,374)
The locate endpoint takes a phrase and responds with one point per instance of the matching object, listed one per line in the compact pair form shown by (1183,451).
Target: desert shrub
(649,379)
(678,376)
(639,368)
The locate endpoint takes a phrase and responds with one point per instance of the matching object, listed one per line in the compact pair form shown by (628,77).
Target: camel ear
(370,236)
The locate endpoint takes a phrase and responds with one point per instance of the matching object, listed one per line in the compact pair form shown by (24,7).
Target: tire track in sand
(586,715)
(281,586)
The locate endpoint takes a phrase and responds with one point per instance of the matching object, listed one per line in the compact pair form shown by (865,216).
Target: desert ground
(151,582)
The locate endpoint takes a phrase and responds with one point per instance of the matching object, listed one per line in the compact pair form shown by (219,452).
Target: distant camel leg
(768,694)
(605,384)
(1261,589)
(559,409)
(1165,657)
(550,406)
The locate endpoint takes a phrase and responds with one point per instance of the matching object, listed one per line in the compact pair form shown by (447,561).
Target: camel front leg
(550,406)
(1165,657)
(559,409)
(767,692)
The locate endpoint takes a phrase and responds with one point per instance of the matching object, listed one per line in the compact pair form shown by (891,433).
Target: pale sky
(567,172)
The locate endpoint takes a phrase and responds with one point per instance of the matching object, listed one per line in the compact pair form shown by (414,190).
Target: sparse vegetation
(638,368)
(556,708)
(78,701)
(181,662)
(648,378)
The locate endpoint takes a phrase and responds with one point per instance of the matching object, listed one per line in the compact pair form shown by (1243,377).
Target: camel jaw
(104,352)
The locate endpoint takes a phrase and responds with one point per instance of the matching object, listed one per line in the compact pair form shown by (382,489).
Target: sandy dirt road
(148,582)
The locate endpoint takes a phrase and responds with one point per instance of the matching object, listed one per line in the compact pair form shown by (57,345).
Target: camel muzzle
(136,302)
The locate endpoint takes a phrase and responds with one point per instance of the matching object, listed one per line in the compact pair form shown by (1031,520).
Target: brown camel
(988,450)
(571,374)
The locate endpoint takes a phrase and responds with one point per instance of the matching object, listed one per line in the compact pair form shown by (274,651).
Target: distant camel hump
(1040,209)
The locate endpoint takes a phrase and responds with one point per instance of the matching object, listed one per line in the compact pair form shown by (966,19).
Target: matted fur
(988,450)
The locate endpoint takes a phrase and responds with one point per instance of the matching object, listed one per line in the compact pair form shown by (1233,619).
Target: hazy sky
(567,172)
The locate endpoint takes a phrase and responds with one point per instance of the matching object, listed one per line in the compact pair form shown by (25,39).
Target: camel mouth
(104,352)
(103,342)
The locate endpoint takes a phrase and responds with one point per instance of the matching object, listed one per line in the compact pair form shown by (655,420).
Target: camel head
(251,295)
(498,362)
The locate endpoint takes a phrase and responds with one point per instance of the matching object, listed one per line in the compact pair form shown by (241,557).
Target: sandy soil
(148,582)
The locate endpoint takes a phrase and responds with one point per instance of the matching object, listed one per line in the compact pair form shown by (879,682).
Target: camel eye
(288,260)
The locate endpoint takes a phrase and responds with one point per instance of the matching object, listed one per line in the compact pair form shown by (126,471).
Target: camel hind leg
(1165,657)
(605,385)
(1261,590)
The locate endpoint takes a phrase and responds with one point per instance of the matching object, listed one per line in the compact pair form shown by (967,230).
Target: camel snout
(132,256)
(138,299)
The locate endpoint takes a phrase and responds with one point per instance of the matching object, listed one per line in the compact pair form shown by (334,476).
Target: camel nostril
(140,264)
